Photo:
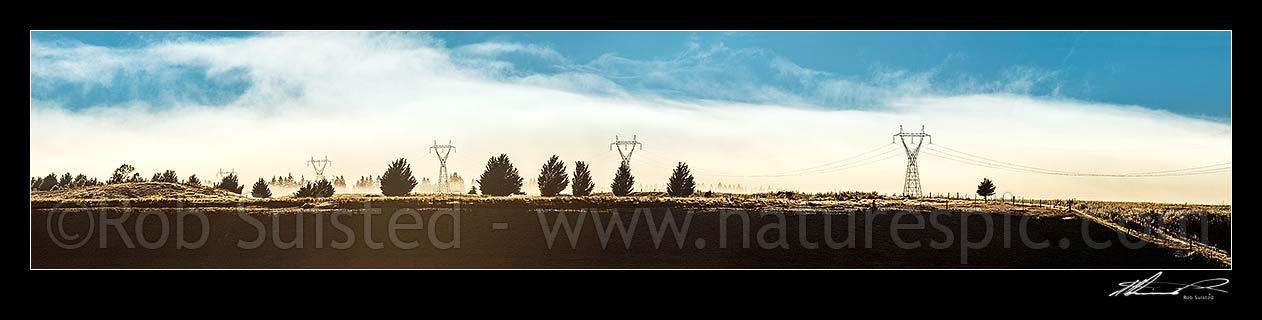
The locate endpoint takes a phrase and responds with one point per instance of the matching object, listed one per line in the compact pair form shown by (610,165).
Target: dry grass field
(170,195)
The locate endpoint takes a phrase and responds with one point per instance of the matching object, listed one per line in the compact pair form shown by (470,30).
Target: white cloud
(365,99)
(576,82)
(496,48)
(91,65)
(805,76)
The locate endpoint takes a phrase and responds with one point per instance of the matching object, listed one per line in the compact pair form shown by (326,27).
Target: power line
(938,151)
(1215,168)
(1187,169)
(883,146)
(853,164)
(890,153)
(940,154)
(991,163)
(934,146)
(833,166)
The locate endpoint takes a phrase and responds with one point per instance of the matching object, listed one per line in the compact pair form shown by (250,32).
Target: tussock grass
(136,190)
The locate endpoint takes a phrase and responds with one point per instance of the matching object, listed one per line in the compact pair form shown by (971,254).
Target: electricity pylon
(911,184)
(222,173)
(626,154)
(442,151)
(319,166)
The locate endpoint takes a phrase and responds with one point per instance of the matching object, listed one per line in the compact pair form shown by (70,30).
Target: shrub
(582,180)
(398,179)
(500,177)
(168,176)
(552,177)
(193,181)
(473,190)
(320,189)
(681,183)
(230,183)
(623,182)
(261,190)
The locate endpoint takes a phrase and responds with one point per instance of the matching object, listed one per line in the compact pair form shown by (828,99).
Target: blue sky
(1187,73)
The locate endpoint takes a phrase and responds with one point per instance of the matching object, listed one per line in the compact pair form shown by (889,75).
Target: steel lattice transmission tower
(626,154)
(911,184)
(442,151)
(222,173)
(319,166)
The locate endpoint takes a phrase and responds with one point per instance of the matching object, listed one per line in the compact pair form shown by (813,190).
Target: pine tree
(500,177)
(193,181)
(623,182)
(398,179)
(552,177)
(261,190)
(986,188)
(366,182)
(230,183)
(582,180)
(426,186)
(65,181)
(455,181)
(681,183)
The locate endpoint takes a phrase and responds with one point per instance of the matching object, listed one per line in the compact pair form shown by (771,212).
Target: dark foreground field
(165,225)
(482,237)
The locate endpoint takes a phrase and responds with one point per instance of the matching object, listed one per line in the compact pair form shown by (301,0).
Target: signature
(1151,286)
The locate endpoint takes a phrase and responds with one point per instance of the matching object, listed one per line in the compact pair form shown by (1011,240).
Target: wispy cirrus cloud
(497,48)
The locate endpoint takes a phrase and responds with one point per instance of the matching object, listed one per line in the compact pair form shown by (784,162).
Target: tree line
(500,178)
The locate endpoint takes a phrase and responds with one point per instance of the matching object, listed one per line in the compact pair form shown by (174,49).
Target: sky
(740,107)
